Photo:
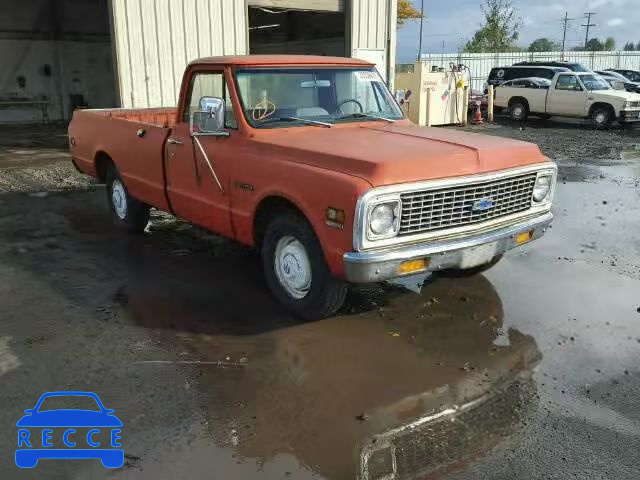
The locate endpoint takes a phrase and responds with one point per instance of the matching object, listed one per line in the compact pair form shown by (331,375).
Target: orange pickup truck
(310,160)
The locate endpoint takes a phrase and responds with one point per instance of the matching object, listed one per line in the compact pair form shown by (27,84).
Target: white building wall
(156,39)
(373,33)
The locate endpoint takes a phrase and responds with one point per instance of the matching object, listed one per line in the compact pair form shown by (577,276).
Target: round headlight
(542,188)
(382,220)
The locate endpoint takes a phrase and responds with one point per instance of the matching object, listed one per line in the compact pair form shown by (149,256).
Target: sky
(454,22)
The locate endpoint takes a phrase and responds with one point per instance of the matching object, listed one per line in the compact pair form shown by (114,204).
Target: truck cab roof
(279,60)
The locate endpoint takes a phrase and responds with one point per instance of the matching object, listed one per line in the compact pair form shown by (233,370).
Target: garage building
(58,55)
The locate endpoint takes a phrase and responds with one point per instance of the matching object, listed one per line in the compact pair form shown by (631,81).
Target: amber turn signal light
(335,217)
(414,266)
(524,237)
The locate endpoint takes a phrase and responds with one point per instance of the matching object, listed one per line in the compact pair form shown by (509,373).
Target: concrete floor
(537,360)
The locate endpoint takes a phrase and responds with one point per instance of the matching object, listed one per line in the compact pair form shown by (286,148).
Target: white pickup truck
(569,94)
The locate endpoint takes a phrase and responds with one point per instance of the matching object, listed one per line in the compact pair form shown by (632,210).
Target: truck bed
(158,117)
(133,139)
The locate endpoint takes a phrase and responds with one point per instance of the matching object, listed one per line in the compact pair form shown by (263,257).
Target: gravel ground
(564,139)
(35,158)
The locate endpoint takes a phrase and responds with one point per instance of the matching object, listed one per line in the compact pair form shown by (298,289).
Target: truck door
(197,168)
(567,96)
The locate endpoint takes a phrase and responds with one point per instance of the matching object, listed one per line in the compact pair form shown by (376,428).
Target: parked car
(500,75)
(310,160)
(613,82)
(632,75)
(574,67)
(614,78)
(572,94)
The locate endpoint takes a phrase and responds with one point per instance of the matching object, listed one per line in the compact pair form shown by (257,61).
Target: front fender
(311,190)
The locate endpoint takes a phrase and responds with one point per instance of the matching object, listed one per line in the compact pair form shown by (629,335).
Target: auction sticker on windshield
(53,430)
(367,76)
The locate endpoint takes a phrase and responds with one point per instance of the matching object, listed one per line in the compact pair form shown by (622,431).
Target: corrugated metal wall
(481,64)
(369,24)
(373,32)
(156,39)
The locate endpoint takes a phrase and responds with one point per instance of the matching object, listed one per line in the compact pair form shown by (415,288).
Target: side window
(209,84)
(545,73)
(568,83)
(510,73)
(633,76)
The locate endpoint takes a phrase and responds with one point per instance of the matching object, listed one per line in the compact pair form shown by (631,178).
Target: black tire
(470,272)
(518,110)
(130,214)
(326,294)
(601,117)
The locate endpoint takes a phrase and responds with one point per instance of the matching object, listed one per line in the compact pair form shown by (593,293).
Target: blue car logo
(482,205)
(69,433)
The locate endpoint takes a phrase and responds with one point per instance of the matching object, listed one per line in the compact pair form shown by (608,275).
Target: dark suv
(499,75)
(574,67)
(633,75)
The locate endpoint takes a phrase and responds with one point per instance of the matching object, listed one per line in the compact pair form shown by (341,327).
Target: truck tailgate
(135,147)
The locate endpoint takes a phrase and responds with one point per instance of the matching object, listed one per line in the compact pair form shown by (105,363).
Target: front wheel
(601,117)
(296,271)
(127,212)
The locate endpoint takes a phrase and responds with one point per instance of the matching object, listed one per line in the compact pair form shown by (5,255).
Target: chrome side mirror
(210,119)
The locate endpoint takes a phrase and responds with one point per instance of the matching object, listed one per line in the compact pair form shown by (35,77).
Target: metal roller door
(316,5)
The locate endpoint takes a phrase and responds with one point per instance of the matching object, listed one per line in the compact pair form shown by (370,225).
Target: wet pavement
(528,371)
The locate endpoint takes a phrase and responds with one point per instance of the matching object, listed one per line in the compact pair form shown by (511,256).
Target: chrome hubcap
(292,267)
(601,118)
(119,199)
(517,112)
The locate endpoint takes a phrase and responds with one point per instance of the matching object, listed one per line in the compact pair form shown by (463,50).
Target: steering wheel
(350,100)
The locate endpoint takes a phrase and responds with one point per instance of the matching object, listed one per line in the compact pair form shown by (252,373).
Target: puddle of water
(327,391)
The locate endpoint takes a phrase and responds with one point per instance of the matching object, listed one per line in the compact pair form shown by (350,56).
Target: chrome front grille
(451,207)
(634,105)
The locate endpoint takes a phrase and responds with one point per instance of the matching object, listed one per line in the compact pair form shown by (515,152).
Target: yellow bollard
(490,104)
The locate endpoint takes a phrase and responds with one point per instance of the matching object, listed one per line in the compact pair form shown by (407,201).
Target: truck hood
(616,95)
(387,154)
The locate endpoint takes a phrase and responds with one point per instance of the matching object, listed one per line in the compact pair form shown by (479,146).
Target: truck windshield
(278,97)
(594,82)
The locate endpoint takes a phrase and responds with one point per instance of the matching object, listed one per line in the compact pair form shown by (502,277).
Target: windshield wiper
(366,115)
(296,119)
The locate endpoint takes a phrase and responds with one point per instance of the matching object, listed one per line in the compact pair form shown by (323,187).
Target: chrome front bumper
(629,116)
(379,265)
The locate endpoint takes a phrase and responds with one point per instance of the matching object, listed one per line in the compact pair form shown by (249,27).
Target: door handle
(175,141)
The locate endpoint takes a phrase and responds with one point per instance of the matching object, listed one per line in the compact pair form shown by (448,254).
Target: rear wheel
(127,212)
(601,117)
(296,270)
(519,110)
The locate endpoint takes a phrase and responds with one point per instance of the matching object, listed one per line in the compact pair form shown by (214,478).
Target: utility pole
(565,24)
(421,24)
(588,16)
